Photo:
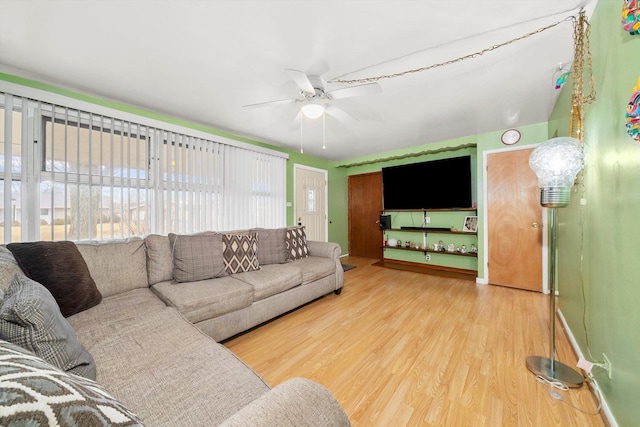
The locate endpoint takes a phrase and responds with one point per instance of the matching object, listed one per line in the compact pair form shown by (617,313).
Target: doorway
(310,207)
(514,221)
(365,207)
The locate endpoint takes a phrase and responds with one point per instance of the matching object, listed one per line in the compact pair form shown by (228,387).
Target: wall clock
(510,136)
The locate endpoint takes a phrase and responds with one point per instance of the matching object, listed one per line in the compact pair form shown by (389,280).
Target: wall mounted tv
(437,184)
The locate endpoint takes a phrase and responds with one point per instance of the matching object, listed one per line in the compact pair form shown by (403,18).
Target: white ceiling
(203,60)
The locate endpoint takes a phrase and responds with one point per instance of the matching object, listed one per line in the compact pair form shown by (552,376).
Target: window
(91,176)
(94,176)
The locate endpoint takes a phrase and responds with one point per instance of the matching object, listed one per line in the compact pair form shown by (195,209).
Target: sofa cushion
(159,258)
(239,252)
(272,248)
(116,265)
(271,279)
(205,299)
(36,393)
(8,267)
(30,318)
(314,268)
(59,267)
(162,367)
(296,243)
(197,257)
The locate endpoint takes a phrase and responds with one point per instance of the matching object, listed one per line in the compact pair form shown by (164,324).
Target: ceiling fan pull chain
(324,137)
(301,125)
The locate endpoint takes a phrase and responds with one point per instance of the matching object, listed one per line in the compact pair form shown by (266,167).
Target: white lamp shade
(556,162)
(312,110)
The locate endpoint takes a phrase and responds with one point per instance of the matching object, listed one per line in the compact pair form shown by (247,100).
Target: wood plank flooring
(400,348)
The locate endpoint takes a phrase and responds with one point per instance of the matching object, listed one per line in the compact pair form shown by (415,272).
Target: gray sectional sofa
(153,338)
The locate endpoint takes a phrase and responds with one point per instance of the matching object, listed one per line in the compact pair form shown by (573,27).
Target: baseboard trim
(606,411)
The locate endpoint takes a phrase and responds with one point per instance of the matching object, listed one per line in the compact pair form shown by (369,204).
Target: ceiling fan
(316,100)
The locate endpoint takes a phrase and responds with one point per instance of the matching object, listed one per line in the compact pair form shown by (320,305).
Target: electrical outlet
(427,257)
(585,365)
(607,365)
(427,220)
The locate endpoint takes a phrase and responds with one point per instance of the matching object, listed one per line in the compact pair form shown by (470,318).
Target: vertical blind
(77,175)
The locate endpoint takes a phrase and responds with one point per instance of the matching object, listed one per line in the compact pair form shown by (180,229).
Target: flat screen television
(437,184)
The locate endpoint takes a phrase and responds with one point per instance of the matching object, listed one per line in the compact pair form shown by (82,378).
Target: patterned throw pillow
(35,393)
(197,257)
(296,242)
(30,318)
(240,252)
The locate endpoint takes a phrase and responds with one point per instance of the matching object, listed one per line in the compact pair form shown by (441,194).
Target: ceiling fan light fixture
(312,110)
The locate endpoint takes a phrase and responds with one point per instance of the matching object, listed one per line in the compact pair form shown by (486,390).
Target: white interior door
(311,201)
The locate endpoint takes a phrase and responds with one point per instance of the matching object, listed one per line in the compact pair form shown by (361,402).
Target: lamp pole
(556,162)
(549,367)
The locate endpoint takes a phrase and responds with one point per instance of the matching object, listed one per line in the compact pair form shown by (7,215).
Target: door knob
(535,225)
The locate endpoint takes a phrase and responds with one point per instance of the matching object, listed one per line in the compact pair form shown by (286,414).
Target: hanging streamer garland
(451,61)
(582,51)
(633,113)
(631,16)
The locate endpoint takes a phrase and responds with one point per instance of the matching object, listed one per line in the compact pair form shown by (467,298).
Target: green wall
(444,149)
(604,291)
(476,146)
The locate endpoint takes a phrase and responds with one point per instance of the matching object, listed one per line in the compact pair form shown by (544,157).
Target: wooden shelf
(431,210)
(431,230)
(402,248)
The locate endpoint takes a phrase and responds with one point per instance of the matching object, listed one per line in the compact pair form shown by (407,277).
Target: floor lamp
(556,162)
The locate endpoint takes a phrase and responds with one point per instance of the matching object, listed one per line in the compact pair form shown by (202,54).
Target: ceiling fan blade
(270,103)
(359,90)
(341,115)
(301,80)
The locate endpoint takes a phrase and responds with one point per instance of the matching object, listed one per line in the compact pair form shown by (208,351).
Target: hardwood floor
(400,348)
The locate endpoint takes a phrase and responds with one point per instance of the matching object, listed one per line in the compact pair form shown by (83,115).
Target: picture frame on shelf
(470,224)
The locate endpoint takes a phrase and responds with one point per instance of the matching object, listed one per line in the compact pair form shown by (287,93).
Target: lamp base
(542,366)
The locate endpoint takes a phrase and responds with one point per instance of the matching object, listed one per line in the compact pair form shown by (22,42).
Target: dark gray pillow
(39,394)
(31,319)
(272,248)
(197,257)
(59,267)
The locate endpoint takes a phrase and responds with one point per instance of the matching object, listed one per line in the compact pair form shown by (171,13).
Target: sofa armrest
(296,402)
(332,251)
(324,249)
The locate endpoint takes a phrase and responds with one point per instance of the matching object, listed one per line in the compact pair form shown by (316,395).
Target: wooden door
(365,206)
(514,221)
(311,207)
